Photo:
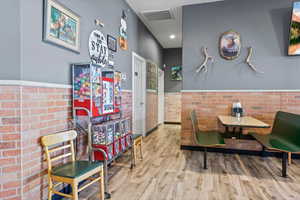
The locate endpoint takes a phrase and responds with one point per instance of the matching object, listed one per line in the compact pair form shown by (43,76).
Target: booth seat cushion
(75,169)
(276,142)
(209,139)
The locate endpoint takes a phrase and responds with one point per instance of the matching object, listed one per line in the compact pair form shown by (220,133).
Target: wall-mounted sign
(108,97)
(123,32)
(98,48)
(230,45)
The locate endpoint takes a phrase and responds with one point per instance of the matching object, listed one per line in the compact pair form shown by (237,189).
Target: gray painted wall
(172,57)
(48,63)
(263,25)
(10,40)
(148,47)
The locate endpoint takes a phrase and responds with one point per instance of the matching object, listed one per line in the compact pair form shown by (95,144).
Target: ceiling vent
(158,15)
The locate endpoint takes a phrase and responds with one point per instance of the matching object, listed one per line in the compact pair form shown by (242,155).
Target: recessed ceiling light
(172,36)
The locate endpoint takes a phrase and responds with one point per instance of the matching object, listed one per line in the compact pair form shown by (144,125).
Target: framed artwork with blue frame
(61,26)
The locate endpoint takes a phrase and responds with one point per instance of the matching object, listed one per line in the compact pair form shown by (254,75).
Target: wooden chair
(137,140)
(72,172)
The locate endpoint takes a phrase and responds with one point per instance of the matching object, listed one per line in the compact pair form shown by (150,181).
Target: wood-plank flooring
(168,173)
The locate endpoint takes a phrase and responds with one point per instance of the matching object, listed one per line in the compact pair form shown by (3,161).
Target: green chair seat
(135,136)
(209,139)
(75,169)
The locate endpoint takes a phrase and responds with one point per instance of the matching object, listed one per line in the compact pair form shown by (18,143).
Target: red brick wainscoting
(43,111)
(10,143)
(173,107)
(127,104)
(151,110)
(261,105)
(26,114)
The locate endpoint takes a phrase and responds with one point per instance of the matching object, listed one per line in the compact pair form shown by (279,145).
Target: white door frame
(135,55)
(161,96)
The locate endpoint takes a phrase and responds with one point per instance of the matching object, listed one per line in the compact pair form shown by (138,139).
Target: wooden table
(242,122)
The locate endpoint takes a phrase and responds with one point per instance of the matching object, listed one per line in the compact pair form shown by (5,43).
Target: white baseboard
(228,91)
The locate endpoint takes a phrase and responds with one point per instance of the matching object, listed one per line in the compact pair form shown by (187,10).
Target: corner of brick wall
(172,107)
(151,110)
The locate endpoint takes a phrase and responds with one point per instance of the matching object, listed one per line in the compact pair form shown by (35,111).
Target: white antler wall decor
(249,62)
(203,66)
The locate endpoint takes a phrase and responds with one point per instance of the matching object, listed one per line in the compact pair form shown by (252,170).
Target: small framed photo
(112,43)
(61,26)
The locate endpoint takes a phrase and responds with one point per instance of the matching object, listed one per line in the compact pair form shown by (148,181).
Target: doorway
(138,94)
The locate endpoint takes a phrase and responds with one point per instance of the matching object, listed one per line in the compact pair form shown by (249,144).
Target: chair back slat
(59,148)
(62,156)
(57,139)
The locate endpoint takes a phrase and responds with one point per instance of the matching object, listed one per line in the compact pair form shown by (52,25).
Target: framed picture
(112,43)
(152,80)
(230,45)
(294,42)
(61,26)
(176,73)
(123,32)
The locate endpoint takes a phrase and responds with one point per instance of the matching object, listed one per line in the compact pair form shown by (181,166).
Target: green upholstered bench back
(196,130)
(194,122)
(287,127)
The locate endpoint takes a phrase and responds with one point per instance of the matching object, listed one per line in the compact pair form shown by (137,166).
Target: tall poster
(108,96)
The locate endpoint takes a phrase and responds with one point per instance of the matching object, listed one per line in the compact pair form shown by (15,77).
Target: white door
(161,96)
(139,94)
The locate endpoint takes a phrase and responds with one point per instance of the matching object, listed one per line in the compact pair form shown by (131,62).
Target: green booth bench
(284,137)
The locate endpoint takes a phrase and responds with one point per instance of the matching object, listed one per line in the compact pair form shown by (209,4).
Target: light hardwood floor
(168,173)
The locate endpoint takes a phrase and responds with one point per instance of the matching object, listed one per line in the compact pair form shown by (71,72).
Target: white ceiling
(162,29)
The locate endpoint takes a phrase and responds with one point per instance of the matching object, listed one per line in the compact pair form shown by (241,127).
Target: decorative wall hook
(99,23)
(248,62)
(203,66)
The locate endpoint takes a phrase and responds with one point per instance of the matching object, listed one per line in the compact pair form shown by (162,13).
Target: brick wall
(127,104)
(261,105)
(10,147)
(151,110)
(173,107)
(26,114)
(44,111)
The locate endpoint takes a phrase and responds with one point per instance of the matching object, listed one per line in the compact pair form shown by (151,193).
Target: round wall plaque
(98,48)
(230,45)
